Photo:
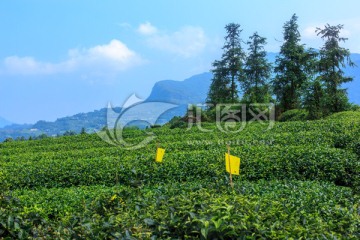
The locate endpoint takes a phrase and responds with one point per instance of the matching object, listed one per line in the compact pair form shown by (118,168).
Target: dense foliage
(297,180)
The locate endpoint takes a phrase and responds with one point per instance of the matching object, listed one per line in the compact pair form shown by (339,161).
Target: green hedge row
(194,210)
(257,162)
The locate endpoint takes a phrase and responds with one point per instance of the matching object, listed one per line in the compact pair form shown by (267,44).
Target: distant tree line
(301,78)
(44,136)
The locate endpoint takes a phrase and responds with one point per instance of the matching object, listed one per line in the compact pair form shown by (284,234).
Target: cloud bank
(114,57)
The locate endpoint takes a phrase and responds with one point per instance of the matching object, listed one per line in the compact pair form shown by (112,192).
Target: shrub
(8,140)
(294,115)
(345,115)
(177,122)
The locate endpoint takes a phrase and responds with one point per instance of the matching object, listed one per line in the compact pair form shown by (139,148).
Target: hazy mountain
(354,86)
(91,121)
(155,110)
(178,93)
(4,122)
(192,90)
(181,93)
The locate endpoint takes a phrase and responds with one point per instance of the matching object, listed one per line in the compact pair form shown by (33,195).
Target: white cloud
(309,32)
(27,66)
(147,29)
(187,42)
(112,57)
(115,55)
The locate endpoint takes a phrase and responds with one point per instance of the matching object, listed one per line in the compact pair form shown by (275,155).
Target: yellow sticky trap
(234,164)
(159,154)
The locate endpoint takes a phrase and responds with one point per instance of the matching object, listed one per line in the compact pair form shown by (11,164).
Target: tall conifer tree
(333,59)
(229,70)
(291,68)
(257,72)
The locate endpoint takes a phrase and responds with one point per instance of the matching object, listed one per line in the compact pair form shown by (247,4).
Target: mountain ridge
(4,122)
(181,92)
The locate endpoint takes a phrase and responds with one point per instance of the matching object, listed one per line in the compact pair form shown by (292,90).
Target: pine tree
(291,68)
(219,91)
(257,72)
(228,71)
(333,59)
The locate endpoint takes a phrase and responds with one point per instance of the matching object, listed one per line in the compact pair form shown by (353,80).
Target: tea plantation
(298,180)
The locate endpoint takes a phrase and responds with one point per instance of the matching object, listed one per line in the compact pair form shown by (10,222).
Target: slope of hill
(4,122)
(180,93)
(298,180)
(190,91)
(91,121)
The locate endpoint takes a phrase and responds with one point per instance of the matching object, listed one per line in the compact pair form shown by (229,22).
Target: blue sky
(62,57)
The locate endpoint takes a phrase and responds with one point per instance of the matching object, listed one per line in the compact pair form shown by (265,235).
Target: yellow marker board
(234,164)
(159,154)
